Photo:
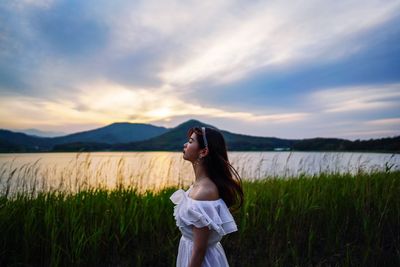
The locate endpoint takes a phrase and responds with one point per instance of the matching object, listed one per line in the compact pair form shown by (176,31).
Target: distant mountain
(145,137)
(176,137)
(111,134)
(388,144)
(20,142)
(171,140)
(120,132)
(39,133)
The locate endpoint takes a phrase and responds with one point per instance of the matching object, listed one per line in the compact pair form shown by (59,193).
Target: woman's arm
(200,240)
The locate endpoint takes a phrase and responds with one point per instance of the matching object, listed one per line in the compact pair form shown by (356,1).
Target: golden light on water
(153,171)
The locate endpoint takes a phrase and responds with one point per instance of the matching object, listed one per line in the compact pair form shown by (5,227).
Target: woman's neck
(199,172)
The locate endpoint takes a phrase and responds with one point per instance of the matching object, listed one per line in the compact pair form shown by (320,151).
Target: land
(146,137)
(323,220)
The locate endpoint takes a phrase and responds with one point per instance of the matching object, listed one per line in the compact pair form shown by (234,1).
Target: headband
(203,129)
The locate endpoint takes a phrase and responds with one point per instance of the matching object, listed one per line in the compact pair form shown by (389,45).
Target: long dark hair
(218,168)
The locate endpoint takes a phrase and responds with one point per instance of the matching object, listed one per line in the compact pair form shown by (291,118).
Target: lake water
(154,170)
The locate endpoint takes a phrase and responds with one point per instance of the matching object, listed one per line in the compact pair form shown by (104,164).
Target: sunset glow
(291,70)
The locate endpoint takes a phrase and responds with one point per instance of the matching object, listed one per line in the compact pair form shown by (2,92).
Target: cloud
(358,98)
(153,43)
(385,122)
(278,34)
(105,102)
(249,65)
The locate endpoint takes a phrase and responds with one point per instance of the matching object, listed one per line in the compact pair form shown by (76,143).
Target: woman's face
(191,149)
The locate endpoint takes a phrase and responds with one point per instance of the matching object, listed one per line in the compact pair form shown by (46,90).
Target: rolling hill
(122,132)
(111,134)
(146,137)
(176,137)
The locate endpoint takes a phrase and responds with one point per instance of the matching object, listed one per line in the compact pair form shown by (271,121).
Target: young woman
(202,212)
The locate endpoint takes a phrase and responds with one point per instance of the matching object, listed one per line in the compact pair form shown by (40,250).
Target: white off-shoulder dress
(200,213)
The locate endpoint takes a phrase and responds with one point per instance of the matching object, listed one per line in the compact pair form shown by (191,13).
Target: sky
(287,69)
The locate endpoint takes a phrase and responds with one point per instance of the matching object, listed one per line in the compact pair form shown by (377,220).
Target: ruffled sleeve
(214,214)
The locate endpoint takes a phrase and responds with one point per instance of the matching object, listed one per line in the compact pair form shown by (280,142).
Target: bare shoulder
(206,191)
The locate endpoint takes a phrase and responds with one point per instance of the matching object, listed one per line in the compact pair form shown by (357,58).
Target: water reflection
(154,170)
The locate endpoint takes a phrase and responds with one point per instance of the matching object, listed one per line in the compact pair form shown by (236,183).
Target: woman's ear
(204,152)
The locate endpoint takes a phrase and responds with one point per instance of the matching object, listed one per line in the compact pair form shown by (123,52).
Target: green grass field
(326,220)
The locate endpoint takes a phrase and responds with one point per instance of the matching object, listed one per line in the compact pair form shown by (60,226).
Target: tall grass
(325,220)
(83,171)
(74,172)
(321,220)
(92,227)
